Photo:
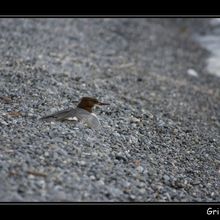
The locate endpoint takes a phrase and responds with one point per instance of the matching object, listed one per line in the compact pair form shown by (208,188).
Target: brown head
(87,103)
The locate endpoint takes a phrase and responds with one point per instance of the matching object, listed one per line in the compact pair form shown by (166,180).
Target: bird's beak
(102,103)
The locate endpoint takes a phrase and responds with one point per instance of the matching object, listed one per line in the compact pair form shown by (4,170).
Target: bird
(82,112)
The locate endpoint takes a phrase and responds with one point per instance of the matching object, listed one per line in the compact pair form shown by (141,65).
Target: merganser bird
(83,112)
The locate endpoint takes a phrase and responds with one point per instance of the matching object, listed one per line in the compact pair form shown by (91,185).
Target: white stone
(192,72)
(140,169)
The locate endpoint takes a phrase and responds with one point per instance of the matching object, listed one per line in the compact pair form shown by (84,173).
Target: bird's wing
(61,115)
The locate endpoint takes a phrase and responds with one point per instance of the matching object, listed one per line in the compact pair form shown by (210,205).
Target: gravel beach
(160,135)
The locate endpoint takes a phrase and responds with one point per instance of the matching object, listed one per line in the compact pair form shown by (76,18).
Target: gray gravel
(161,134)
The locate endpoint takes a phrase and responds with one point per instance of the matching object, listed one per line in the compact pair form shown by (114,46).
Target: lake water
(211,42)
